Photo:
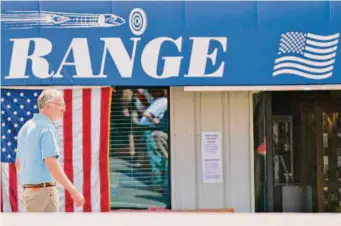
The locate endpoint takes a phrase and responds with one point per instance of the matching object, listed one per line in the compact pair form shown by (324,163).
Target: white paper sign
(211,157)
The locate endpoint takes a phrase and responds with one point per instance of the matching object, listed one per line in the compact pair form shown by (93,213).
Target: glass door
(306,169)
(329,157)
(262,152)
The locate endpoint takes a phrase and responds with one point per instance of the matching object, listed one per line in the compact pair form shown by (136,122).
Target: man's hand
(126,112)
(149,116)
(156,120)
(78,198)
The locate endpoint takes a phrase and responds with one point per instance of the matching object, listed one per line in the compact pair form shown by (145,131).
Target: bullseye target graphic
(137,21)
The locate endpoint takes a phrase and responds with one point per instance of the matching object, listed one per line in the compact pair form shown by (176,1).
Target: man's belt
(42,185)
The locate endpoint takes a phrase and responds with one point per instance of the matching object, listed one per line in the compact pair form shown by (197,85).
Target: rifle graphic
(47,19)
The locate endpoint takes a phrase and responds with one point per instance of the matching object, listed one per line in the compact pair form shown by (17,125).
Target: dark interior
(306,151)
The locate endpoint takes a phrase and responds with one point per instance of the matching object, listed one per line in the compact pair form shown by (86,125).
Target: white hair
(47,95)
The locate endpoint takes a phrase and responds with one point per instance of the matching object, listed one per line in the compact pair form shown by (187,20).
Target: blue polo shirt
(37,140)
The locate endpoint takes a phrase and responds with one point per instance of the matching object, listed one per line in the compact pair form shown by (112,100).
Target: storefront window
(139,148)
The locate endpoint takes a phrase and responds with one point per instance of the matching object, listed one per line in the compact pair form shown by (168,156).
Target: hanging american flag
(84,144)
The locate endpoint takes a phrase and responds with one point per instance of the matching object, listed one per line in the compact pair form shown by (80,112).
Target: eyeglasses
(61,105)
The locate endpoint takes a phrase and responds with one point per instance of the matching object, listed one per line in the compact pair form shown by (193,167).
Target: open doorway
(303,157)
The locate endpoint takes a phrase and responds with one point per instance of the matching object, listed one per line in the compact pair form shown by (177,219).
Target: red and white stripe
(84,144)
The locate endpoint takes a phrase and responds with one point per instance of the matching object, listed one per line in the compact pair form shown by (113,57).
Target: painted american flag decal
(306,55)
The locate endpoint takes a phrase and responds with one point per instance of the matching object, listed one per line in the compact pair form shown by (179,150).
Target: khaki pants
(41,199)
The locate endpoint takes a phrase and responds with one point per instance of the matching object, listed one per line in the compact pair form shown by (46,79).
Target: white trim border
(261,88)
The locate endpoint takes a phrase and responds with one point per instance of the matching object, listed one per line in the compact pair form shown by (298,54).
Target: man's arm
(58,173)
(151,117)
(17,160)
(17,164)
(50,154)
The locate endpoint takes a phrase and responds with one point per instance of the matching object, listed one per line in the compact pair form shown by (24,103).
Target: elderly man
(37,154)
